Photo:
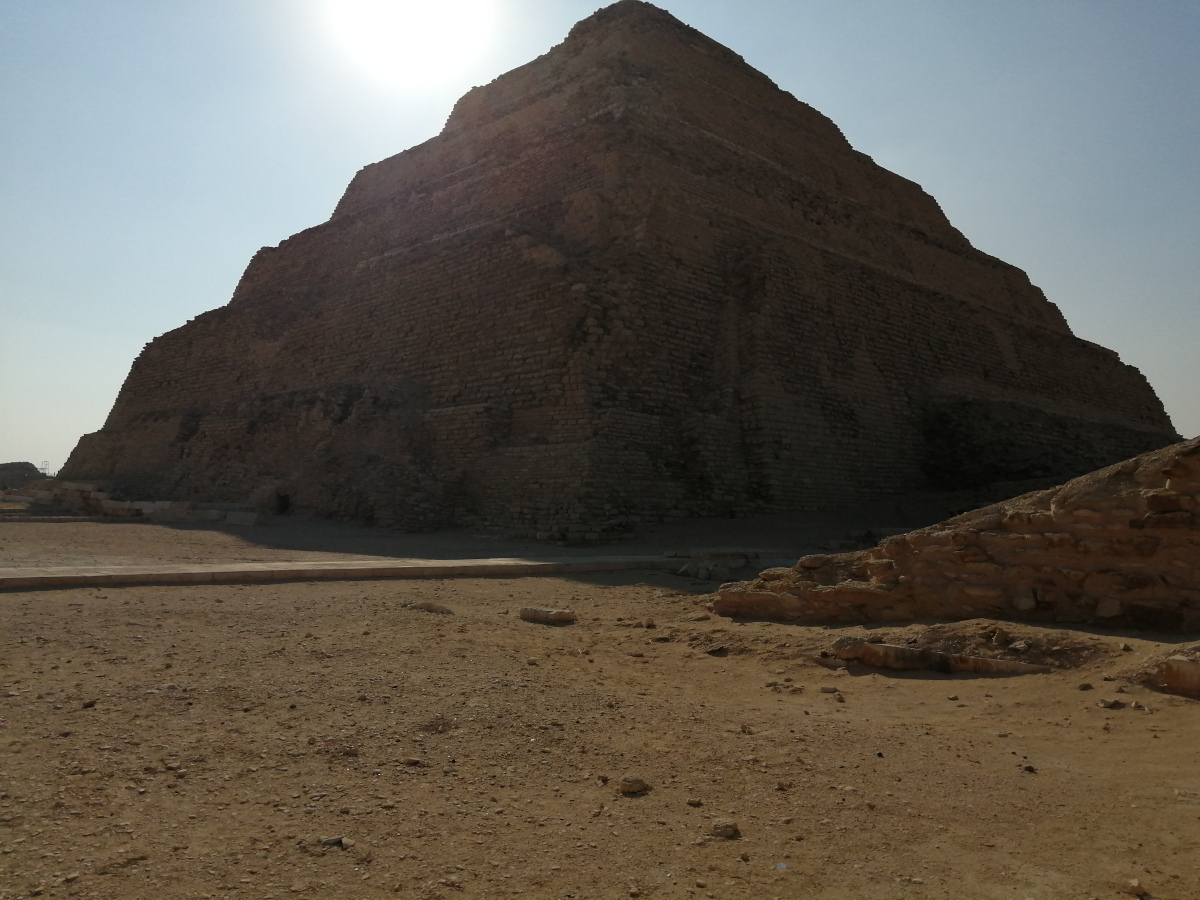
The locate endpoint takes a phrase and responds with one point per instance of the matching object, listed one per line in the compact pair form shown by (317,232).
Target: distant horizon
(151,151)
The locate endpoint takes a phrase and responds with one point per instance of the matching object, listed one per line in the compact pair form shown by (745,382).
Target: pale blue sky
(149,147)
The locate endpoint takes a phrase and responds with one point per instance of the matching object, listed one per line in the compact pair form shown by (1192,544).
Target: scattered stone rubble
(87,500)
(15,475)
(715,565)
(1119,546)
(891,656)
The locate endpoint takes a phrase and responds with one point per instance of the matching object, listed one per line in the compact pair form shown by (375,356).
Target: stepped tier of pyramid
(631,280)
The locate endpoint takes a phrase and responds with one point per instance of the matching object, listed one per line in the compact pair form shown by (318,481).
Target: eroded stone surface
(1120,546)
(632,280)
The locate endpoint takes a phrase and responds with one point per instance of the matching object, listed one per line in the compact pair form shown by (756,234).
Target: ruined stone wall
(630,280)
(18,474)
(1119,547)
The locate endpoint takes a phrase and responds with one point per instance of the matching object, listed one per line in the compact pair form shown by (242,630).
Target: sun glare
(411,44)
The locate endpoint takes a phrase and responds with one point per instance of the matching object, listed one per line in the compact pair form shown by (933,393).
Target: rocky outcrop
(632,280)
(1119,547)
(18,474)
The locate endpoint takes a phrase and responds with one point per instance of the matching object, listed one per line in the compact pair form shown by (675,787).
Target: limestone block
(1161,500)
(544,616)
(743,604)
(1182,675)
(1025,601)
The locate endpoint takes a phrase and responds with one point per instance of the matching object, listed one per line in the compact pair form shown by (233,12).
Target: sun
(411,44)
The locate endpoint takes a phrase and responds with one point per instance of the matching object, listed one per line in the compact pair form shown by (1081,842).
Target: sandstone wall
(630,280)
(1120,547)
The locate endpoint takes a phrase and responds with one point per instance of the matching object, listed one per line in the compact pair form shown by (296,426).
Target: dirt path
(203,742)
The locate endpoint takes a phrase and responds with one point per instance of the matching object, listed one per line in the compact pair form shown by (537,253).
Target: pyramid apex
(627,14)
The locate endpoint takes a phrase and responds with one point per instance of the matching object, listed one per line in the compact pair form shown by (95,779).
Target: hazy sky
(149,147)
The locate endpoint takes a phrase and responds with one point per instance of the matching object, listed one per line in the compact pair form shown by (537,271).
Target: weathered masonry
(632,279)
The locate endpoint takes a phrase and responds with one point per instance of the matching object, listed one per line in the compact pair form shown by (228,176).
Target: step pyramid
(632,280)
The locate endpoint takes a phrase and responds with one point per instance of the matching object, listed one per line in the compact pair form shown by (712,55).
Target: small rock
(89,704)
(531,661)
(1126,647)
(1019,646)
(1024,603)
(1110,704)
(725,828)
(1032,770)
(952,697)
(694,801)
(701,883)
(633,784)
(828,689)
(745,857)
(430,606)
(542,616)
(1086,686)
(410,761)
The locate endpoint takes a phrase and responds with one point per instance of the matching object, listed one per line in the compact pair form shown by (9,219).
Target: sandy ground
(204,742)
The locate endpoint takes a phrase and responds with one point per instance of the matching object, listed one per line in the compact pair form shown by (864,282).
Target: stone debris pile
(89,500)
(1119,546)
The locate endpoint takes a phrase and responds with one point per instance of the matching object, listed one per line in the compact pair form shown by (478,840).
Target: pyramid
(632,280)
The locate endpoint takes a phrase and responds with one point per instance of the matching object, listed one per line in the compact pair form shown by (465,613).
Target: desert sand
(329,740)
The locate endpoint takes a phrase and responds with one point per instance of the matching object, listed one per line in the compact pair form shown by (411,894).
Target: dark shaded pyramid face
(630,281)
